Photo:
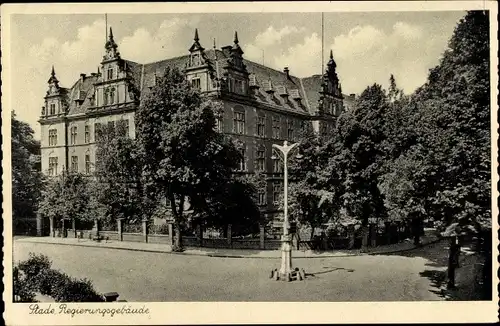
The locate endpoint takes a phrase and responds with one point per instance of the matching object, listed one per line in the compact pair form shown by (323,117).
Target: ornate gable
(111,48)
(331,99)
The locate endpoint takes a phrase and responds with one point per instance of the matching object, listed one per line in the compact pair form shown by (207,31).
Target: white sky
(367,47)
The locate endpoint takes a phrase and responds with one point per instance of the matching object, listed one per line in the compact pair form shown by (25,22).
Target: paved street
(145,276)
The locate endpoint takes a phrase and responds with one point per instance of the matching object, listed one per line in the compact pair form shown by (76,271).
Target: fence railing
(163,234)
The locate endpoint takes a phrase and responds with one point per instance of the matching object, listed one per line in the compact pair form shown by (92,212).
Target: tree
(66,196)
(452,127)
(27,178)
(311,201)
(233,202)
(184,156)
(361,154)
(118,192)
(402,170)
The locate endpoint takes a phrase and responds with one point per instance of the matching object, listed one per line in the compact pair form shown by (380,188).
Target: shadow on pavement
(436,259)
(334,269)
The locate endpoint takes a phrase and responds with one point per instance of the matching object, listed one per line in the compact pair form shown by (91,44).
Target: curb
(215,255)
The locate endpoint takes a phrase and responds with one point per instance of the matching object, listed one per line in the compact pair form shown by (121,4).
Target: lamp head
(299,156)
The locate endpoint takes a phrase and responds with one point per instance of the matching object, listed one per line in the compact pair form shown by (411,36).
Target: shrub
(22,290)
(34,266)
(50,281)
(35,275)
(73,290)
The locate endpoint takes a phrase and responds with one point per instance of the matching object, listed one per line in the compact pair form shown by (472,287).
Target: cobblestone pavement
(161,277)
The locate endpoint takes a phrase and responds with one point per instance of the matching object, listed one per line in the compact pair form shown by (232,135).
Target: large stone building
(262,106)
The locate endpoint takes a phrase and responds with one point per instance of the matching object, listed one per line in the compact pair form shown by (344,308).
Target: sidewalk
(228,253)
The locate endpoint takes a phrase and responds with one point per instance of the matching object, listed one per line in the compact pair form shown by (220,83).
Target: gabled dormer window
(110,73)
(195,59)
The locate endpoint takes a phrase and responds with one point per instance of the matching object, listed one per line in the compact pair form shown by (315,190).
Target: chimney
(353,96)
(287,72)
(82,77)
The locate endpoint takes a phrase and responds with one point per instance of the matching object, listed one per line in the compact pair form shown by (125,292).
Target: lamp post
(286,272)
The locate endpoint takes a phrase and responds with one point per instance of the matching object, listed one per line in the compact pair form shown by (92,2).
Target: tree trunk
(177,224)
(364,232)
(178,236)
(312,232)
(416,229)
(454,253)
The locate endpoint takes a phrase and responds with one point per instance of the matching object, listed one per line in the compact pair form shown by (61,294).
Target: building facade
(261,106)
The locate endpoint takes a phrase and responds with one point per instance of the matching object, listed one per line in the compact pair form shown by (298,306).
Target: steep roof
(158,68)
(312,86)
(82,90)
(302,93)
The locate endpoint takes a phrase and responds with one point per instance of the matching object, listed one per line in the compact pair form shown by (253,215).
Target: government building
(261,106)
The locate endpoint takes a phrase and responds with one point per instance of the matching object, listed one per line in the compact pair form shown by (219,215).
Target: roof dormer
(282,91)
(252,82)
(53,82)
(197,57)
(267,85)
(55,98)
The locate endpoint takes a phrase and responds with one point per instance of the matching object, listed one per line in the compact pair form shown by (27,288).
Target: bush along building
(261,106)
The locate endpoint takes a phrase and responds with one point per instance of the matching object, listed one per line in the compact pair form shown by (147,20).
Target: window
(261,200)
(74,163)
(290,130)
(111,126)
(53,166)
(219,122)
(196,83)
(239,122)
(277,165)
(111,95)
(230,85)
(261,126)
(261,160)
(242,165)
(73,136)
(276,128)
(195,59)
(87,134)
(52,108)
(105,96)
(239,87)
(52,137)
(87,163)
(110,73)
(277,192)
(97,131)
